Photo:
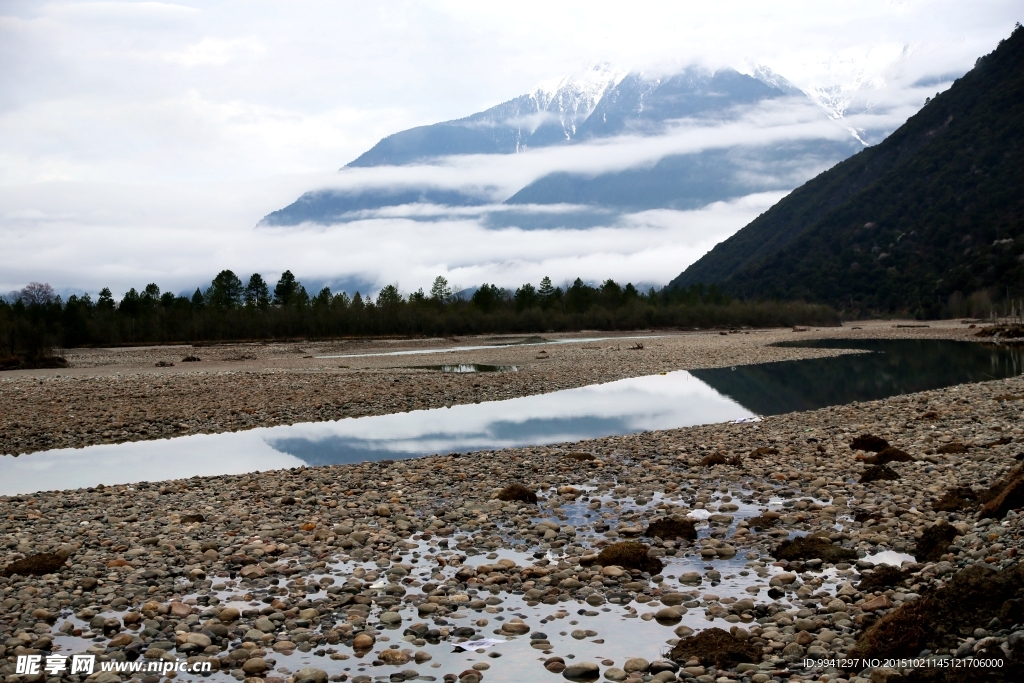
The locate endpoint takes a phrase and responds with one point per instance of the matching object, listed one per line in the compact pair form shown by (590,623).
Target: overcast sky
(143,141)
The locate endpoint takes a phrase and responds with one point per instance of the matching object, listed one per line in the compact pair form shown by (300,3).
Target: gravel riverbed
(417,570)
(118,395)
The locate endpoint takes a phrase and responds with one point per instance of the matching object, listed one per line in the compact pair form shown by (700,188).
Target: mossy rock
(35,565)
(583,457)
(888,455)
(713,459)
(971,599)
(869,442)
(629,555)
(882,576)
(715,647)
(670,529)
(813,548)
(956,499)
(762,522)
(878,473)
(1010,495)
(934,542)
(517,492)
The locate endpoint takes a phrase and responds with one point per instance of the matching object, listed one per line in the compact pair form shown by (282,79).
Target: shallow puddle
(656,402)
(530,341)
(468,367)
(675,399)
(577,630)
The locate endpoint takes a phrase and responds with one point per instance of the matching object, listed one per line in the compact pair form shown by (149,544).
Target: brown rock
(877,603)
(180,609)
(120,640)
(252,571)
(393,657)
(255,666)
(515,627)
(229,615)
(363,641)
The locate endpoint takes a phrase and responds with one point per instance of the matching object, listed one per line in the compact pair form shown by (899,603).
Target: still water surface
(675,399)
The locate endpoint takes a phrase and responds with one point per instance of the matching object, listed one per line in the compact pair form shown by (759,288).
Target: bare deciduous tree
(37,293)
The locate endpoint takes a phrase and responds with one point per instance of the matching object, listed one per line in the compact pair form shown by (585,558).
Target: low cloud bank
(122,236)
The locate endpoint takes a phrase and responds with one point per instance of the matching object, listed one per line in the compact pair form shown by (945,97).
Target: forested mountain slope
(936,208)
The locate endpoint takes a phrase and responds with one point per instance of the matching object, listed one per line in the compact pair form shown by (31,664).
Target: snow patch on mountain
(573,98)
(841,82)
(773,79)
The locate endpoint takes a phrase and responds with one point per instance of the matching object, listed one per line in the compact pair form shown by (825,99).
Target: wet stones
(673,599)
(311,674)
(137,554)
(783,579)
(668,616)
(229,615)
(394,657)
(391,618)
(636,664)
(582,671)
(363,641)
(255,666)
(515,627)
(554,664)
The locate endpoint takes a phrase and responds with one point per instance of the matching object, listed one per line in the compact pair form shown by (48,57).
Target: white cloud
(143,141)
(215,52)
(180,236)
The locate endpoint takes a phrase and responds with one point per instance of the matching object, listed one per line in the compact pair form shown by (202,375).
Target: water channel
(664,401)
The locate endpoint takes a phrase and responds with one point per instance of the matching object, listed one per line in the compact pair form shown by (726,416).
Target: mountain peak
(774,80)
(573,98)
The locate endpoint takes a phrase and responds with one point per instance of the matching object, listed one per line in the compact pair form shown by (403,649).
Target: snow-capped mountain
(549,114)
(573,98)
(604,103)
(599,101)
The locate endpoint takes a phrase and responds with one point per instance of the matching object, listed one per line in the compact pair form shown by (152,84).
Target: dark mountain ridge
(932,213)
